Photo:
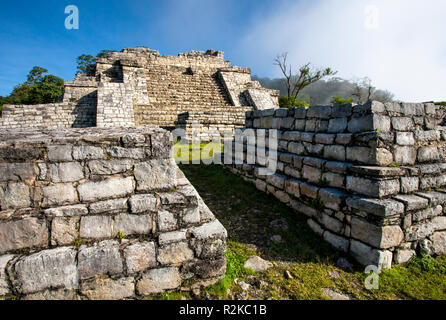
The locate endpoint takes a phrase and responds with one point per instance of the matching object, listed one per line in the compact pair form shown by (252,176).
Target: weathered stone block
(315,227)
(293,187)
(25,233)
(156,175)
(14,195)
(101,288)
(109,206)
(167,221)
(405,138)
(158,280)
(332,224)
(87,153)
(140,256)
(379,237)
(47,269)
(412,202)
(296,148)
(439,243)
(409,184)
(373,188)
(60,153)
(66,172)
(334,153)
(311,174)
(67,211)
(402,124)
(102,258)
(369,256)
(130,153)
(143,203)
(64,230)
(58,195)
(405,155)
(337,125)
(332,198)
(174,253)
(428,154)
(110,188)
(17,171)
(130,224)
(403,255)
(276,180)
(96,227)
(103,167)
(309,190)
(381,208)
(4,286)
(338,242)
(170,237)
(209,230)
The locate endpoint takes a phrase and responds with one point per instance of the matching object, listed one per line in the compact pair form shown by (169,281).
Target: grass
(247,215)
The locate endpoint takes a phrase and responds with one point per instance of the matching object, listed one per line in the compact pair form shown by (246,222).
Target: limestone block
(156,175)
(140,256)
(25,233)
(332,198)
(373,188)
(47,269)
(311,174)
(66,172)
(102,288)
(337,125)
(96,227)
(14,195)
(360,154)
(334,153)
(293,187)
(369,256)
(361,124)
(276,180)
(402,124)
(309,190)
(403,255)
(50,295)
(58,195)
(87,153)
(110,188)
(109,206)
(170,237)
(64,230)
(379,237)
(439,243)
(67,211)
(174,253)
(338,242)
(409,184)
(315,227)
(209,230)
(191,215)
(332,224)
(412,202)
(167,221)
(17,171)
(60,153)
(428,154)
(405,155)
(130,153)
(296,148)
(4,286)
(130,224)
(158,280)
(320,112)
(103,167)
(381,208)
(142,203)
(102,258)
(405,138)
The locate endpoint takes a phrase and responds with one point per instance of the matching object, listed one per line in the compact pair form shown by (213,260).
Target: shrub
(337,100)
(285,102)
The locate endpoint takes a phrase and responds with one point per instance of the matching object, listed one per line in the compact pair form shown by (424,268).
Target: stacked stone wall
(101,214)
(369,177)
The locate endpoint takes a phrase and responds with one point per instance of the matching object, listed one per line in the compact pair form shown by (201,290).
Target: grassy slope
(247,213)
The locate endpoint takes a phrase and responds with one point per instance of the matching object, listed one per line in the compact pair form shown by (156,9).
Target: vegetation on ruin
(337,100)
(441,103)
(86,63)
(304,266)
(38,89)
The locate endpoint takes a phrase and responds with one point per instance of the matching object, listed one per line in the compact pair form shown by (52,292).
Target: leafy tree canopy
(86,63)
(38,89)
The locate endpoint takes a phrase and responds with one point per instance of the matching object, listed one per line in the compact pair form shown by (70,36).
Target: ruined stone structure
(139,87)
(101,214)
(368,177)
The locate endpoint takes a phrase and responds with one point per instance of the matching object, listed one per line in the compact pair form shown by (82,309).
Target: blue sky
(402,43)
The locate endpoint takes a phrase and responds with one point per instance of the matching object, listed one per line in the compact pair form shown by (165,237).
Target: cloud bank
(399,44)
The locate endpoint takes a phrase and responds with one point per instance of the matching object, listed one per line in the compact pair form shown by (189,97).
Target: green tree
(285,102)
(86,64)
(337,100)
(36,90)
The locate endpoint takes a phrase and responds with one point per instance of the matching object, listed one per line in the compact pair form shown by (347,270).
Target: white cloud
(402,50)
